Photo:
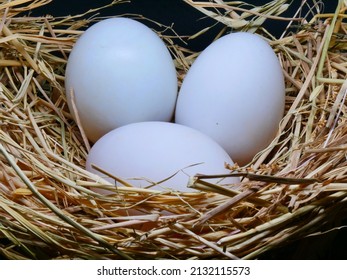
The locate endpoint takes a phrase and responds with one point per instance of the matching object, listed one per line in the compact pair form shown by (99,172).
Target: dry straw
(295,187)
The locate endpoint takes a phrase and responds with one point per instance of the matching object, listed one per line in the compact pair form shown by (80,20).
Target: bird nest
(48,205)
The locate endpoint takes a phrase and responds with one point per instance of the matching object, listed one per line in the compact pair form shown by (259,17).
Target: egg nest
(295,187)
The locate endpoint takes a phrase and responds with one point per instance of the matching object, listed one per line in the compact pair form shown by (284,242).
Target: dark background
(187,21)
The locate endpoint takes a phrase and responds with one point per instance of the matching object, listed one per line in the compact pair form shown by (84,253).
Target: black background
(187,21)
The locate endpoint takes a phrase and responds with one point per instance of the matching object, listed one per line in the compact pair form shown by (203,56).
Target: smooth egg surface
(235,93)
(161,153)
(120,72)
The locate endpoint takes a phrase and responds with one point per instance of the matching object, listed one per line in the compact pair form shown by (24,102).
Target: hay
(291,189)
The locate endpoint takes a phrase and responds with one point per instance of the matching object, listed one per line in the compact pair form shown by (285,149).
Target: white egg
(120,72)
(150,152)
(235,93)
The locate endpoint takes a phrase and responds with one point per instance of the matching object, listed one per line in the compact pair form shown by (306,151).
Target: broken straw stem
(262,178)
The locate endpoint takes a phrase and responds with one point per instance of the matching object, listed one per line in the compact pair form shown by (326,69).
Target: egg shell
(120,72)
(148,152)
(235,93)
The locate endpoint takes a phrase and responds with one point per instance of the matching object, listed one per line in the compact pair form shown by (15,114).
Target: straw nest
(295,187)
